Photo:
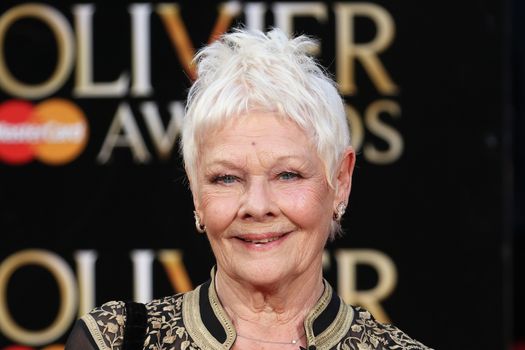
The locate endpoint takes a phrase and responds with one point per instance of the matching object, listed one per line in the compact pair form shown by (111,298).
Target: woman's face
(264,199)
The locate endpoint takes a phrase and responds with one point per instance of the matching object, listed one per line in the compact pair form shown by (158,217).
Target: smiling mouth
(261,239)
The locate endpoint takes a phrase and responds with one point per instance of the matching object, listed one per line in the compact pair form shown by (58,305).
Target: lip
(262,241)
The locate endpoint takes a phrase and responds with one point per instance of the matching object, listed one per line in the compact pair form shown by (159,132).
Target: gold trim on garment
(315,312)
(219,311)
(92,326)
(337,329)
(191,314)
(329,338)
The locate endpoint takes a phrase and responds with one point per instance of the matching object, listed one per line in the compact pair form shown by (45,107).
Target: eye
(288,175)
(225,179)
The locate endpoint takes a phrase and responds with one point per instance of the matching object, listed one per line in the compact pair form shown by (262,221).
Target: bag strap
(135,327)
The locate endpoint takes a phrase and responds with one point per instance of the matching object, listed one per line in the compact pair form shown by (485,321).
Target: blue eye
(287,175)
(225,179)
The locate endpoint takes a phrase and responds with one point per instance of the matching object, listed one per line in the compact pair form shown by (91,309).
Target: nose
(257,202)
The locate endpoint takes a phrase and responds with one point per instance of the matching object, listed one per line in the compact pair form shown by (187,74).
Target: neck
(274,312)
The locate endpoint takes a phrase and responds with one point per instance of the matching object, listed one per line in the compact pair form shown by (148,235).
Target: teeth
(262,241)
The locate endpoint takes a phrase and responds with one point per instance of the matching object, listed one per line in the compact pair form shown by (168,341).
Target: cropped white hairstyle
(246,70)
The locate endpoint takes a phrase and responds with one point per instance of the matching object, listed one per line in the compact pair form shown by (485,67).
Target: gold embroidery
(94,331)
(175,323)
(367,334)
(106,325)
(166,329)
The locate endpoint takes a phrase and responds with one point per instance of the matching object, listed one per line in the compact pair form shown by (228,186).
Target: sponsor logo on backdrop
(53,132)
(357,63)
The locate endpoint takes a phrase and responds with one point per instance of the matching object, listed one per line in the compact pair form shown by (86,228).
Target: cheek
(309,206)
(218,209)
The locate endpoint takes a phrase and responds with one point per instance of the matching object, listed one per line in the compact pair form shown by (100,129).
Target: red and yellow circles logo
(54,131)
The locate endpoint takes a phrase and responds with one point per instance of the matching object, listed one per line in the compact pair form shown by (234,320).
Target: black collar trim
(209,326)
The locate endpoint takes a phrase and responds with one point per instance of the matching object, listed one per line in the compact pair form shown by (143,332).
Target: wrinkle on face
(256,149)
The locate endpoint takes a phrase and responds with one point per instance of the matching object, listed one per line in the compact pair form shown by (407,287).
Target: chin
(264,274)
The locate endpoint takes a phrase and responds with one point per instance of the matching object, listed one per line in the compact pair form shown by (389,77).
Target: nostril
(257,202)
(257,217)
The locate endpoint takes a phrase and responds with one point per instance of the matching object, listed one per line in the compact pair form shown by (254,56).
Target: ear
(196,205)
(196,201)
(343,183)
(194,194)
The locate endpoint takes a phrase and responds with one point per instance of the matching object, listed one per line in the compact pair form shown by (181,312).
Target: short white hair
(246,70)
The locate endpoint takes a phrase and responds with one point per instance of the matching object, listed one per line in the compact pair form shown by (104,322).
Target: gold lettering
(174,24)
(64,37)
(390,135)
(163,138)
(284,14)
(172,261)
(227,13)
(85,85)
(348,51)
(68,297)
(131,137)
(142,274)
(347,261)
(140,48)
(85,260)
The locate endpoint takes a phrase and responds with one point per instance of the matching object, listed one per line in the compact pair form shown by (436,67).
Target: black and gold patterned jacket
(196,320)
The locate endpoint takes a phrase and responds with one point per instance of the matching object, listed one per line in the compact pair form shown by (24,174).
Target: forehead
(260,132)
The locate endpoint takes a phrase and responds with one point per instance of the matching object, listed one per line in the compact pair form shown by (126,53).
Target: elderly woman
(267,151)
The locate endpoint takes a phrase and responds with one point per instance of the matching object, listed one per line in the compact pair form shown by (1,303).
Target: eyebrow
(225,163)
(233,164)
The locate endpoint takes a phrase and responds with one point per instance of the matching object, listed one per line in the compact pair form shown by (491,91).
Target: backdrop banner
(95,206)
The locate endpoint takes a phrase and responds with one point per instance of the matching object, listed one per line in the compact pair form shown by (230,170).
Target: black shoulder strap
(135,328)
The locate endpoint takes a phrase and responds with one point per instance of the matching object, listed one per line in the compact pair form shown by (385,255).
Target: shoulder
(107,323)
(165,323)
(367,333)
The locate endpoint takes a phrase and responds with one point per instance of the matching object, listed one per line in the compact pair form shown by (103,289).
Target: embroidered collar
(211,329)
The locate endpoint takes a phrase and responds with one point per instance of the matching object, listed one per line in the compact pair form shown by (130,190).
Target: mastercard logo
(54,132)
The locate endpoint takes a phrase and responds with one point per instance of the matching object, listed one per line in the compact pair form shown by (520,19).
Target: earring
(200,228)
(340,211)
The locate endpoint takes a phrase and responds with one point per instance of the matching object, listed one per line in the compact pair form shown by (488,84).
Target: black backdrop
(430,192)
